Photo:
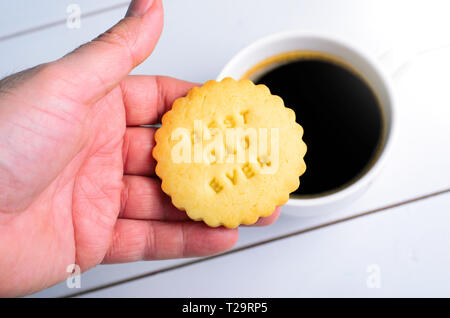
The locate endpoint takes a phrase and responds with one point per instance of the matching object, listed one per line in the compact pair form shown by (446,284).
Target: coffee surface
(341,117)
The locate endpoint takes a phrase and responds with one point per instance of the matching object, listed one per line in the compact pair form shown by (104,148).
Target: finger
(95,68)
(143,199)
(147,98)
(264,221)
(137,146)
(270,219)
(135,240)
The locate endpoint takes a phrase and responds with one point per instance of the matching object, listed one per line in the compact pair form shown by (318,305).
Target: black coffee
(340,115)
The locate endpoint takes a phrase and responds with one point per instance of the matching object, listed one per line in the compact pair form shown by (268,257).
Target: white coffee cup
(368,67)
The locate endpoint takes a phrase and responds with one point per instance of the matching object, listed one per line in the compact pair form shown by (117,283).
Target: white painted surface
(402,251)
(19,15)
(201,36)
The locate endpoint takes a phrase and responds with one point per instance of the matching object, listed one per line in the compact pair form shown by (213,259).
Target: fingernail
(138,8)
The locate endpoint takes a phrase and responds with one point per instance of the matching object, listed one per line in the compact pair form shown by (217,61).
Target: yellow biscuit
(229,152)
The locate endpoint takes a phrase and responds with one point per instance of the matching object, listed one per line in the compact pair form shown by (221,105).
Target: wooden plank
(398,253)
(22,16)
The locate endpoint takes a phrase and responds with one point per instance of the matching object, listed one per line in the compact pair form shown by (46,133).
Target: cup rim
(385,150)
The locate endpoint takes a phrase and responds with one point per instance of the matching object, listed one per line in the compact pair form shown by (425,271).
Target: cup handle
(398,59)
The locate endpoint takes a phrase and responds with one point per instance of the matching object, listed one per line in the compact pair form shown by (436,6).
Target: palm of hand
(84,196)
(72,220)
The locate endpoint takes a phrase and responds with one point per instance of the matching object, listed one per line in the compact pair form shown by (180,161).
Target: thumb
(97,67)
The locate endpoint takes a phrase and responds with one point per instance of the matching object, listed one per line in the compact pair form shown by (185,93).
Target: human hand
(77,182)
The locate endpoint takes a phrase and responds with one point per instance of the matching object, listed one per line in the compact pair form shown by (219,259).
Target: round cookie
(229,152)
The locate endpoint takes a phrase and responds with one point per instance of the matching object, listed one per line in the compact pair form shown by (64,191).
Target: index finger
(147,98)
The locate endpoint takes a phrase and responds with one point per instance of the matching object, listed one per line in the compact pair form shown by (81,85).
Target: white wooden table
(393,241)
